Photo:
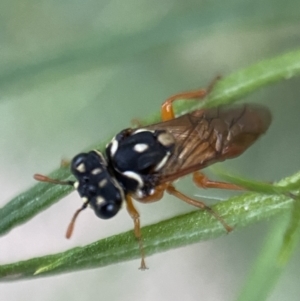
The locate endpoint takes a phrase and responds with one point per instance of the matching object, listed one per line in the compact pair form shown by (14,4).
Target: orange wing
(204,137)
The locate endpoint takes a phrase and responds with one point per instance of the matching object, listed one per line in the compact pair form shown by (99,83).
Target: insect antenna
(72,223)
(42,178)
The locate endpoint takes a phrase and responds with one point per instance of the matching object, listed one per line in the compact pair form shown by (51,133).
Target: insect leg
(202,181)
(172,190)
(167,112)
(137,229)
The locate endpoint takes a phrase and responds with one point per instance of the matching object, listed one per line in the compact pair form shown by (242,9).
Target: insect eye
(79,159)
(78,164)
(107,210)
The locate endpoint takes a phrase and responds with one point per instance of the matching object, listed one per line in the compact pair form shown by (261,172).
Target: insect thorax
(137,158)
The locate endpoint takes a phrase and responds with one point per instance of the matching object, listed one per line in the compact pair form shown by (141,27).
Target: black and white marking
(137,154)
(133,158)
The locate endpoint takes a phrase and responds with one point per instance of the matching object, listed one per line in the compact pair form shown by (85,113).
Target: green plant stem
(175,232)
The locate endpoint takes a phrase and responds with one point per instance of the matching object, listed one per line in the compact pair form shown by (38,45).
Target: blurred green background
(73,73)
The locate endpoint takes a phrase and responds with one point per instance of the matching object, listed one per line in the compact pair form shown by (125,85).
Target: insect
(142,163)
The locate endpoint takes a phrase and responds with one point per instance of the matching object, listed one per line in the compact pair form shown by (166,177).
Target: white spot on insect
(140,147)
(117,185)
(161,164)
(114,147)
(100,200)
(166,139)
(81,167)
(138,194)
(134,176)
(85,199)
(102,183)
(96,171)
(142,130)
(76,184)
(101,157)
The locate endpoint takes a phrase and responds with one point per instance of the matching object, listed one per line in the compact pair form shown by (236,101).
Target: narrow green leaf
(239,84)
(175,232)
(286,185)
(245,81)
(29,203)
(291,236)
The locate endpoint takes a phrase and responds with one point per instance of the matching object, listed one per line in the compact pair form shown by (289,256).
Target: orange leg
(172,190)
(167,112)
(156,196)
(137,229)
(202,181)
